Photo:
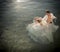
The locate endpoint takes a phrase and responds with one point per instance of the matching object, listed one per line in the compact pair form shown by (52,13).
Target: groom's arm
(44,18)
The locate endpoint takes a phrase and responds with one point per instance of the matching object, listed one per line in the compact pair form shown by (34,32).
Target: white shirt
(45,17)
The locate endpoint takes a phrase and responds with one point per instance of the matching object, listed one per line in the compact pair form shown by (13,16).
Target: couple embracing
(47,19)
(41,30)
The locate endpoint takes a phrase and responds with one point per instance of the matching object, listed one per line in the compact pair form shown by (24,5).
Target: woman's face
(38,21)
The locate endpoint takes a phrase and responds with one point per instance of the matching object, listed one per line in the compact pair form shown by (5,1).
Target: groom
(49,17)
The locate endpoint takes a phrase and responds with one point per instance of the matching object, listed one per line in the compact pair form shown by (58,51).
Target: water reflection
(22,0)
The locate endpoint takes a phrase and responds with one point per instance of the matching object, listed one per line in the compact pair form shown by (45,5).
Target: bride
(42,28)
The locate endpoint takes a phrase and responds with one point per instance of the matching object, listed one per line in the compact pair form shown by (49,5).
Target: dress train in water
(41,34)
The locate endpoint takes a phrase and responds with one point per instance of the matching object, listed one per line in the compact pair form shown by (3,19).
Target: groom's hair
(48,11)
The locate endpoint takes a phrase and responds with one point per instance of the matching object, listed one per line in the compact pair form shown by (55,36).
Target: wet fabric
(42,34)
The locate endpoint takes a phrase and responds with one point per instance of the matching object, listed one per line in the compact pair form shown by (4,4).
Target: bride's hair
(38,21)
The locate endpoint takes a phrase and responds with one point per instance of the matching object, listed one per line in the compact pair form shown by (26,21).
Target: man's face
(47,13)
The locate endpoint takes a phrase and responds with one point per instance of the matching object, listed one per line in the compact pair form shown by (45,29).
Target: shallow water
(14,18)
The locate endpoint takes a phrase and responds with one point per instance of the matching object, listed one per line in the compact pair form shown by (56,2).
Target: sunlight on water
(22,0)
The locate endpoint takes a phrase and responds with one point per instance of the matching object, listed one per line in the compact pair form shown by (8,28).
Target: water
(14,18)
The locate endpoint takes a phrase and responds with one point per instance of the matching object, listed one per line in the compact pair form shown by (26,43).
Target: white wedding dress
(42,34)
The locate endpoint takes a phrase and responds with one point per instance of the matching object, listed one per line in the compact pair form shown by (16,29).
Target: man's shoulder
(52,14)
